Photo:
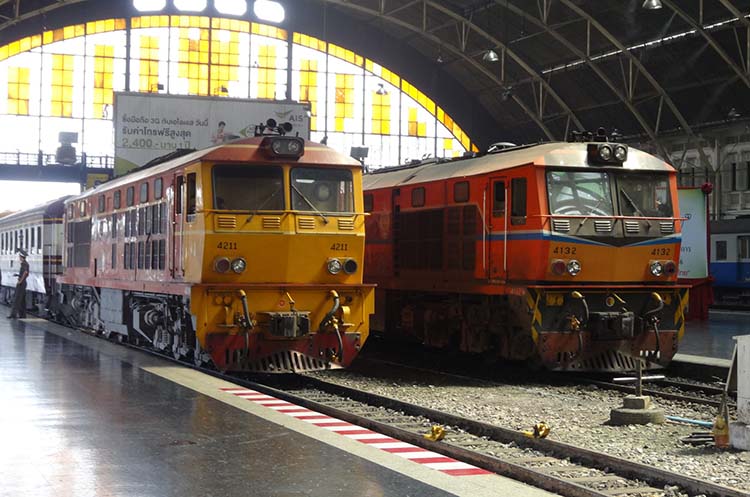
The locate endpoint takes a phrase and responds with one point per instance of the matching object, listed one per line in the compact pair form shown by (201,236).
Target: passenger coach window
(324,190)
(368,202)
(158,188)
(498,198)
(39,237)
(241,188)
(118,199)
(101,203)
(144,192)
(130,196)
(721,250)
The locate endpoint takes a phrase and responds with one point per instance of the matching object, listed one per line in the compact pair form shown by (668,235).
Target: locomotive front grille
(561,224)
(346,224)
(306,223)
(666,227)
(226,222)
(603,225)
(632,227)
(271,223)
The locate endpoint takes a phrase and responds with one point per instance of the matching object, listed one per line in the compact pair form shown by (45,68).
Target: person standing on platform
(19,302)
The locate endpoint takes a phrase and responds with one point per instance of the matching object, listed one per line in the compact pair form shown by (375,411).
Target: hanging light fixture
(652,4)
(490,56)
(381,90)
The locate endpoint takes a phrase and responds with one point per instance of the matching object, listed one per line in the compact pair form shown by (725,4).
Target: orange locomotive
(560,253)
(246,255)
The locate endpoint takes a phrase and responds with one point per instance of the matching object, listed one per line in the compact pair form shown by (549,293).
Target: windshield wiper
(636,210)
(260,207)
(325,219)
(591,211)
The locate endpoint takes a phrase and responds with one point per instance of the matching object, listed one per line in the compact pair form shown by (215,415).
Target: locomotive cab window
(191,196)
(642,195)
(574,193)
(238,187)
(518,201)
(498,198)
(322,190)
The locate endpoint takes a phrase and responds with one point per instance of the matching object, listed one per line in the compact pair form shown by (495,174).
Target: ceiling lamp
(652,4)
(381,90)
(268,10)
(149,5)
(490,56)
(231,7)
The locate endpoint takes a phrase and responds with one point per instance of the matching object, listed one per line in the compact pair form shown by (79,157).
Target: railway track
(548,464)
(555,466)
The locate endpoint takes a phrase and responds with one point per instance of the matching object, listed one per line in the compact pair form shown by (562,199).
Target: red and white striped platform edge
(419,455)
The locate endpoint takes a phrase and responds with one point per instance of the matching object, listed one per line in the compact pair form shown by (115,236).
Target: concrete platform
(715,336)
(84,417)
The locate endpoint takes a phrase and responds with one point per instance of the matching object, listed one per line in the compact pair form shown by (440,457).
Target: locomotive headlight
(574,267)
(656,268)
(670,268)
(222,264)
(621,152)
(558,267)
(605,152)
(350,266)
(334,266)
(239,265)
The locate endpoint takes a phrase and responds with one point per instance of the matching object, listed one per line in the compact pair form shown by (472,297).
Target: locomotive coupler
(651,317)
(246,323)
(329,321)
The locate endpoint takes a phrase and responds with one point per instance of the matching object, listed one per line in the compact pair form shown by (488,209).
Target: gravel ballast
(578,415)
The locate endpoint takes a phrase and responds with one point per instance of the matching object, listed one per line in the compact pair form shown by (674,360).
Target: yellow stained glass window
(192,54)
(308,88)
(18,91)
(61,104)
(266,71)
(103,70)
(225,60)
(344,103)
(381,113)
(148,70)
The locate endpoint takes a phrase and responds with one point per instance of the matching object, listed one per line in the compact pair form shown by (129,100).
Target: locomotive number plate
(564,250)
(227,246)
(340,247)
(662,251)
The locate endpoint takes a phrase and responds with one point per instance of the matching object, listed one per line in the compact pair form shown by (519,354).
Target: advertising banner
(693,253)
(149,125)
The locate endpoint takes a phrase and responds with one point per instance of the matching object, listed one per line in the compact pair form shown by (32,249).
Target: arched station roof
(561,65)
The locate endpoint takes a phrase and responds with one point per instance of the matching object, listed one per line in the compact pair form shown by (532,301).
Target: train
(560,254)
(38,231)
(730,261)
(245,256)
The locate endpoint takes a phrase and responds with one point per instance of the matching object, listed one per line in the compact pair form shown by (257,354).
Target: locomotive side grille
(346,224)
(561,224)
(226,222)
(632,227)
(306,223)
(271,223)
(603,225)
(666,227)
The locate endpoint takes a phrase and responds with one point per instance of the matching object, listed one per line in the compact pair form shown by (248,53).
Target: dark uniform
(19,302)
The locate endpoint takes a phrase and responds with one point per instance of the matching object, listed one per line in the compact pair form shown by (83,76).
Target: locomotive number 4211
(227,246)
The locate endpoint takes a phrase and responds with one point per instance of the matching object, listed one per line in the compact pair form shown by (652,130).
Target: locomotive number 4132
(564,250)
